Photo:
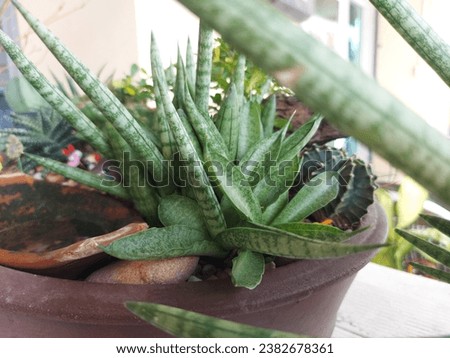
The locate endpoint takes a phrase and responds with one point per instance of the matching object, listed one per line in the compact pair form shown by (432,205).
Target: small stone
(54,178)
(167,271)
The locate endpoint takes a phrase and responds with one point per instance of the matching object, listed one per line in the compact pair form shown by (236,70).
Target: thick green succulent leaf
(196,175)
(190,131)
(180,82)
(188,324)
(275,242)
(318,193)
(163,243)
(442,225)
(436,252)
(180,210)
(268,115)
(439,274)
(84,177)
(228,121)
(251,130)
(86,129)
(261,159)
(248,269)
(233,185)
(320,232)
(239,77)
(204,67)
(190,67)
(279,180)
(293,144)
(274,209)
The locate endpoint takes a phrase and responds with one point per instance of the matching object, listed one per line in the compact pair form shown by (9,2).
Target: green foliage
(40,128)
(186,324)
(401,213)
(436,252)
(206,185)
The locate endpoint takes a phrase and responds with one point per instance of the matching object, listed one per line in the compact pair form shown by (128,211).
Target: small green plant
(437,252)
(209,187)
(41,130)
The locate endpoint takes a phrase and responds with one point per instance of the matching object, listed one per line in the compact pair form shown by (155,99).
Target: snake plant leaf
(163,243)
(86,129)
(190,131)
(177,209)
(293,144)
(102,97)
(180,82)
(438,223)
(233,185)
(310,198)
(239,78)
(204,68)
(274,209)
(436,252)
(251,130)
(22,97)
(436,273)
(84,177)
(227,121)
(203,126)
(198,180)
(248,269)
(190,67)
(268,115)
(278,181)
(320,232)
(271,241)
(187,324)
(260,160)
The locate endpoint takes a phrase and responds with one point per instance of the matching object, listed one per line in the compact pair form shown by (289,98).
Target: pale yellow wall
(99,32)
(401,71)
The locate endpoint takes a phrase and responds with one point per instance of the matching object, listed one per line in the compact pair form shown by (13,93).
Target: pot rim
(283,285)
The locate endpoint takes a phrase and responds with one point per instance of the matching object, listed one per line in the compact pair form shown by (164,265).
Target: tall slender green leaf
(268,115)
(250,131)
(442,225)
(204,66)
(436,273)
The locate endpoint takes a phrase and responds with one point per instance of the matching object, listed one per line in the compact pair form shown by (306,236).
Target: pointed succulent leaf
(233,185)
(239,77)
(187,324)
(442,225)
(163,243)
(280,243)
(293,144)
(436,273)
(180,210)
(228,121)
(204,67)
(250,131)
(248,269)
(436,252)
(268,115)
(310,198)
(84,177)
(272,211)
(190,67)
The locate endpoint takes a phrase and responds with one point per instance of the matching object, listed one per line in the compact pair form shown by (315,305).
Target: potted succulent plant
(218,188)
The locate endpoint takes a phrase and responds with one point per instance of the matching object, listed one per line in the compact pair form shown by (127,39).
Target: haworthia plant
(225,178)
(187,324)
(353,102)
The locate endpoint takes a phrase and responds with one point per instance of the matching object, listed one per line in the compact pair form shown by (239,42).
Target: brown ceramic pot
(302,297)
(55,230)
